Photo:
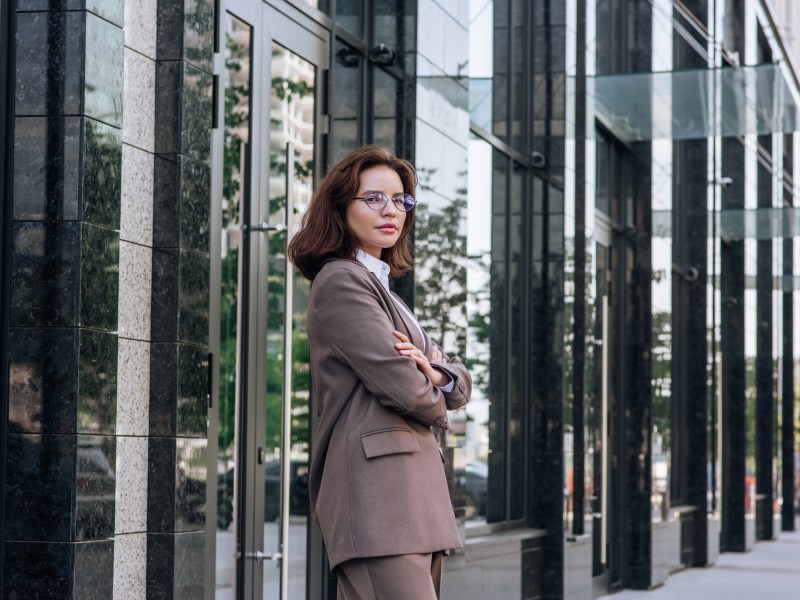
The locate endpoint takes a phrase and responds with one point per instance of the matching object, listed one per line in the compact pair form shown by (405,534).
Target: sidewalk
(770,571)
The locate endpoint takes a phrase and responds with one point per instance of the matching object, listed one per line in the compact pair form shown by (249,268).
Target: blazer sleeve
(348,314)
(462,390)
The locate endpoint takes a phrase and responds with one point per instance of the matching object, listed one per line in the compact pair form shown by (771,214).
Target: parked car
(94,491)
(298,489)
(470,488)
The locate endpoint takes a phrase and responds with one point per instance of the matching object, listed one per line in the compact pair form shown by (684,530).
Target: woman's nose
(390,208)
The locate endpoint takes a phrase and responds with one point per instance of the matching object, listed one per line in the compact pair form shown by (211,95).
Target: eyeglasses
(377,200)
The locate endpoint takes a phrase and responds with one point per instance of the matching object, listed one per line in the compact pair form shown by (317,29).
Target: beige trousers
(401,577)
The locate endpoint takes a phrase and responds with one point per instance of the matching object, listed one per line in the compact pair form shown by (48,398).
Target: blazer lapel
(397,315)
(411,328)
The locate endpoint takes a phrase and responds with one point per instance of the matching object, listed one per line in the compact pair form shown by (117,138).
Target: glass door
(267,156)
(600,414)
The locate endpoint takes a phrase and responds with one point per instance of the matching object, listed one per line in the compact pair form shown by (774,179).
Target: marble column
(732,429)
(732,419)
(788,484)
(547,411)
(136,233)
(765,400)
(61,447)
(178,365)
(690,418)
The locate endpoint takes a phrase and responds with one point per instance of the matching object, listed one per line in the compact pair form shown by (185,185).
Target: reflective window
(387,106)
(501,43)
(750,337)
(237,83)
(481,63)
(292,107)
(345,100)
(472,477)
(661,302)
(349,15)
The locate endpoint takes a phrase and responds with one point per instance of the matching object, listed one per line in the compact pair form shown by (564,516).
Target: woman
(377,483)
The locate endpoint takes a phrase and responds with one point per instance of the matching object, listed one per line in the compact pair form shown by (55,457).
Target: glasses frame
(399,201)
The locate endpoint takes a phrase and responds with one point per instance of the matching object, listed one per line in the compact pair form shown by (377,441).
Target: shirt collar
(376,266)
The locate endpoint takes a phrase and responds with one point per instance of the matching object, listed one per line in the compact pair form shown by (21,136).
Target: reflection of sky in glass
(481,49)
(479,221)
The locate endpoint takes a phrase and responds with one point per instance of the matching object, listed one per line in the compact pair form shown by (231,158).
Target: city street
(770,571)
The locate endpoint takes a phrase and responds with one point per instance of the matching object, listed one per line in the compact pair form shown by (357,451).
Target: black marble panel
(99,285)
(160,566)
(732,319)
(186,31)
(189,557)
(59,487)
(182,202)
(45,274)
(103,71)
(58,73)
(47,168)
(43,380)
(97,382)
(690,414)
(192,415)
(40,481)
(764,372)
(175,566)
(95,487)
(532,567)
(164,303)
(788,482)
(163,388)
(161,466)
(190,495)
(62,380)
(50,50)
(110,10)
(64,274)
(37,570)
(178,390)
(180,296)
(67,169)
(176,491)
(93,574)
(193,298)
(183,110)
(101,174)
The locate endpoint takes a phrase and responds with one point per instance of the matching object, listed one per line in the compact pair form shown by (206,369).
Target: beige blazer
(377,480)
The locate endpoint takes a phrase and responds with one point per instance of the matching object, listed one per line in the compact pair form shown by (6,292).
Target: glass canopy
(680,105)
(734,225)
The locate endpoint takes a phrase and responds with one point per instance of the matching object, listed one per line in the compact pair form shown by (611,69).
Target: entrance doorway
(613,269)
(267,156)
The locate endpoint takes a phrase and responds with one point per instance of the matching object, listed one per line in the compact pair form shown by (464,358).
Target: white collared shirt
(381,270)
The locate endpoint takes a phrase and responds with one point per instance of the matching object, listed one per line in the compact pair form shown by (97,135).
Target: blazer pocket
(395,440)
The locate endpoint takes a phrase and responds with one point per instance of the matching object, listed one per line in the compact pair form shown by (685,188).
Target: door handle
(264,226)
(259,556)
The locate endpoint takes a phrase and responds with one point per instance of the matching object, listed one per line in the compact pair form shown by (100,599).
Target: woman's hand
(406,348)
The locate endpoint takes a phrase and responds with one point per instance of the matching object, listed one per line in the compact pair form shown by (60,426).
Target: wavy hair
(324,234)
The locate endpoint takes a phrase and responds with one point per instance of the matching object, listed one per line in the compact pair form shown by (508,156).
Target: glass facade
(604,235)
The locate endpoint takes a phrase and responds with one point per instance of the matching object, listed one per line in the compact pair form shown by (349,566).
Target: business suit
(377,481)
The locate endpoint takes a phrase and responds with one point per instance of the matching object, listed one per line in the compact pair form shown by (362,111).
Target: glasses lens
(408,202)
(375,200)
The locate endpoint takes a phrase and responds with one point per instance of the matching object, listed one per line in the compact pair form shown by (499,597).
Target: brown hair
(323,231)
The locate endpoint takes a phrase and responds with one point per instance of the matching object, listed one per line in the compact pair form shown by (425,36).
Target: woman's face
(375,230)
